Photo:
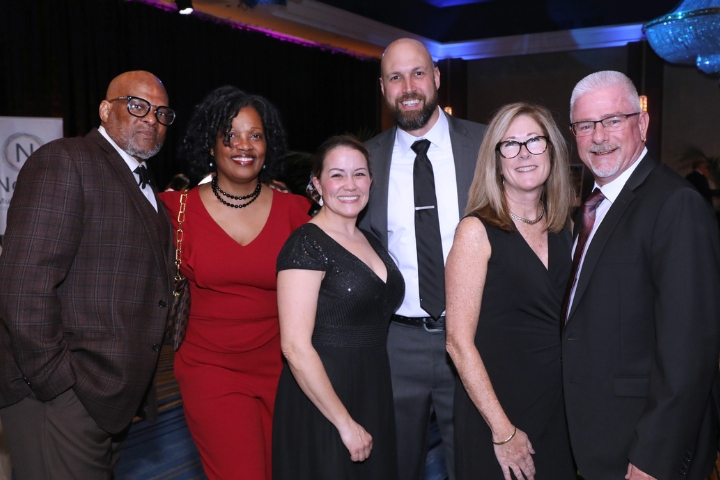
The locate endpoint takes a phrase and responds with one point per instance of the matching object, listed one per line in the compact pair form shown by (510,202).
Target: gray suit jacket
(465,137)
(85,282)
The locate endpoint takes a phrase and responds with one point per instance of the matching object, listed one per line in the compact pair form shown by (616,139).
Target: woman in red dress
(229,363)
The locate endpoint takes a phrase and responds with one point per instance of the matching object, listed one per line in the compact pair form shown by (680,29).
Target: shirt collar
(612,190)
(439,134)
(132,163)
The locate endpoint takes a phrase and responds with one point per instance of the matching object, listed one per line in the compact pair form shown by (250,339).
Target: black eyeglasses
(611,124)
(511,148)
(139,107)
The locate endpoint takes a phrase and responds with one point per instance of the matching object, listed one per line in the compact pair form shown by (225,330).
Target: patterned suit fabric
(85,282)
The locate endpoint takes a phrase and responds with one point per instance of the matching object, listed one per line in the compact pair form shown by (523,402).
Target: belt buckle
(431,330)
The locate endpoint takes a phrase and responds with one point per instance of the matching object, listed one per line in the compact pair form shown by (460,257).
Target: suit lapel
(146,213)
(382,159)
(463,156)
(608,225)
(167,235)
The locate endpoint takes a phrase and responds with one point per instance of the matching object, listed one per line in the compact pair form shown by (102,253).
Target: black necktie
(586,226)
(431,265)
(144,176)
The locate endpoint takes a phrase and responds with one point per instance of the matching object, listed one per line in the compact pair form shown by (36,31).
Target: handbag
(180,310)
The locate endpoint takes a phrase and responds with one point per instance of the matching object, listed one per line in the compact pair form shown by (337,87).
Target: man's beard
(602,170)
(415,120)
(123,136)
(143,153)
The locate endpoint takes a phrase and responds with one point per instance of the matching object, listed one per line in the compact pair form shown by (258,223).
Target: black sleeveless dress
(518,337)
(353,314)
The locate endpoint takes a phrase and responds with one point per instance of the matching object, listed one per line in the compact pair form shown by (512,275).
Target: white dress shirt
(401,205)
(132,165)
(610,191)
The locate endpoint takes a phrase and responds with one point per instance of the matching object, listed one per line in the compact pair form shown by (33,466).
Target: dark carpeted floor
(164,449)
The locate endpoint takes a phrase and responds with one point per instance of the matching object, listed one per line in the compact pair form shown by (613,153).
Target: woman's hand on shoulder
(356,440)
(516,455)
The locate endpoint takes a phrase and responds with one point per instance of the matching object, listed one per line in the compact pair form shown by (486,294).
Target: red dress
(229,364)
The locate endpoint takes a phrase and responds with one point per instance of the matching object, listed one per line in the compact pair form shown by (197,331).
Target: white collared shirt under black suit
(642,339)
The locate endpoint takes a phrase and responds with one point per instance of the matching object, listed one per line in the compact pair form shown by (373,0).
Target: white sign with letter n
(19,138)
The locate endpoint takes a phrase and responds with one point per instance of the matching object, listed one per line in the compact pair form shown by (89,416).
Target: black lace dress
(353,313)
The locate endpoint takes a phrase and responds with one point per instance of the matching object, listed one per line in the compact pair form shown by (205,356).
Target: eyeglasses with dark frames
(139,107)
(511,148)
(612,123)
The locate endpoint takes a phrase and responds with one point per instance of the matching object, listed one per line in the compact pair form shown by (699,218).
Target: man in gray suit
(427,152)
(85,283)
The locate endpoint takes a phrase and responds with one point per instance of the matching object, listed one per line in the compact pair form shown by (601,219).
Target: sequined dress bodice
(354,305)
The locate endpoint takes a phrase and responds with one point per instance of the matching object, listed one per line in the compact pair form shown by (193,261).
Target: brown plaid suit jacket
(85,282)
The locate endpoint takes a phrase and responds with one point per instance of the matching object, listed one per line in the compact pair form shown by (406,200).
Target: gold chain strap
(179,237)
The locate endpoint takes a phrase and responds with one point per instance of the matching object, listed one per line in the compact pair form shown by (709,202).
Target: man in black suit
(423,378)
(641,342)
(85,283)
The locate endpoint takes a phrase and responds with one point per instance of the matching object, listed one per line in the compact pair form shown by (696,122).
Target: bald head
(404,48)
(129,80)
(140,137)
(409,81)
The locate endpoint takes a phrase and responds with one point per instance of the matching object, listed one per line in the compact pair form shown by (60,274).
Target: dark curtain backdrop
(58,56)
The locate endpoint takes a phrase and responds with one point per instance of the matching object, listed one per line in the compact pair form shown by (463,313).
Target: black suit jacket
(465,137)
(85,281)
(640,349)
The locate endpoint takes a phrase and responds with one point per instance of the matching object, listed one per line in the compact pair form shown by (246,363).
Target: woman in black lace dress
(337,288)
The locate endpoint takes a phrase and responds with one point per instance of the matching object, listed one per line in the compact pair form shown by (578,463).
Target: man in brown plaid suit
(85,286)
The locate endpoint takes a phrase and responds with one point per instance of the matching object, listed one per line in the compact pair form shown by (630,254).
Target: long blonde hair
(486,197)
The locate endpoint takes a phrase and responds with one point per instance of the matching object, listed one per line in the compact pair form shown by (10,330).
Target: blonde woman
(505,279)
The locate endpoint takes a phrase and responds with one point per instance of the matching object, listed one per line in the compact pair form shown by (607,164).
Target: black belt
(428,323)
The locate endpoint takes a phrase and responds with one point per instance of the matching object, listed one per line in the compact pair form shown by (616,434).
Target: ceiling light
(184,7)
(688,35)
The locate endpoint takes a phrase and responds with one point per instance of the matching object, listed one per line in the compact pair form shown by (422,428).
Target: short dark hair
(214,116)
(349,141)
(179,182)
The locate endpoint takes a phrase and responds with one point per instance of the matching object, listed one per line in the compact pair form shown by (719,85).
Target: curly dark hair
(214,115)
